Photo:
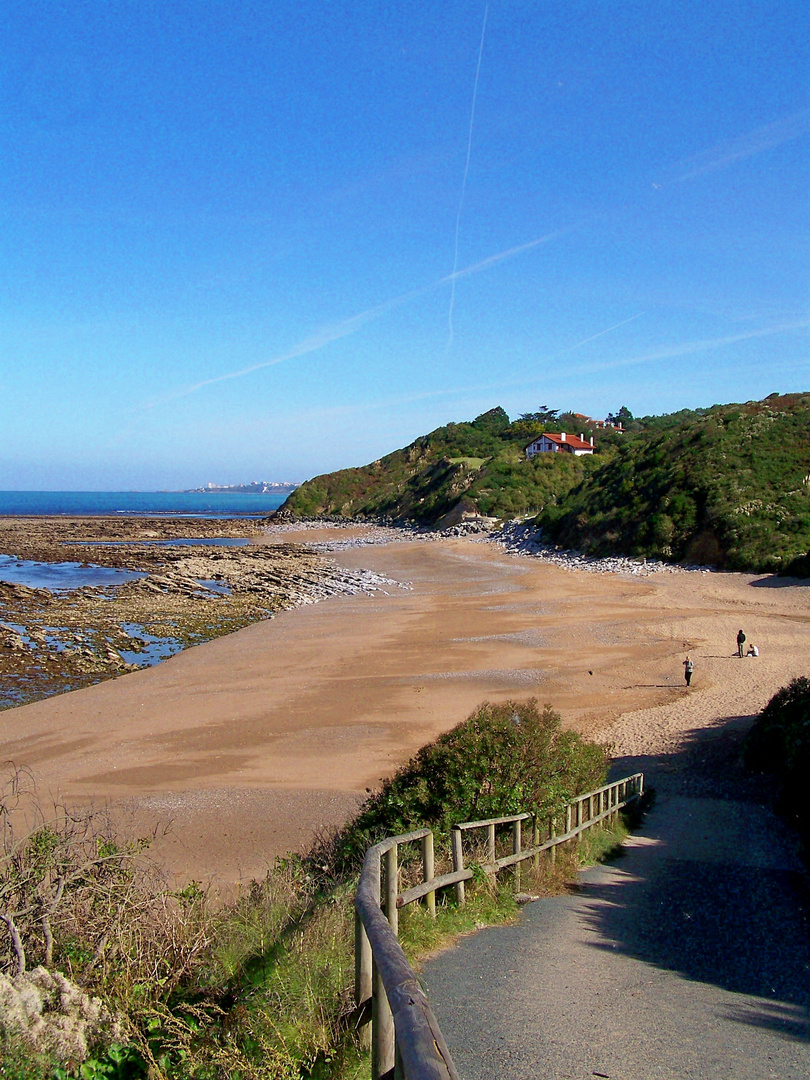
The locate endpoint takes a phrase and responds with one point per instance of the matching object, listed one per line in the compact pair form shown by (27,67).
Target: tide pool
(58,577)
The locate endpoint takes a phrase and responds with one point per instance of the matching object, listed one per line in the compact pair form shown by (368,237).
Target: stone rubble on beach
(375,533)
(513,537)
(341,583)
(522,539)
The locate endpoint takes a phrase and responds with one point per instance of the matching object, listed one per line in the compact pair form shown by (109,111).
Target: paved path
(687,958)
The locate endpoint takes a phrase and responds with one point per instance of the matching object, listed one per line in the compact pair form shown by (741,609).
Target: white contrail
(464,182)
(579,344)
(601,333)
(747,145)
(492,260)
(327,334)
(689,348)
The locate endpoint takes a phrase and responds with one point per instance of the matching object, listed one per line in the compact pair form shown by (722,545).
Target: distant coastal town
(255,487)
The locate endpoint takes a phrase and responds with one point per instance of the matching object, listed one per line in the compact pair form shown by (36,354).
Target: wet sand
(248,745)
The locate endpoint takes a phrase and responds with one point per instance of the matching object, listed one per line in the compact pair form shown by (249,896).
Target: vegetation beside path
(146,982)
(779,743)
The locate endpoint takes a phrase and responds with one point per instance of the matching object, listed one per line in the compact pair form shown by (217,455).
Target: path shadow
(731,911)
(772,581)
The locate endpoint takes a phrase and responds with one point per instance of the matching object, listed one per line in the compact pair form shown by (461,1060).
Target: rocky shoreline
(189,590)
(521,539)
(513,537)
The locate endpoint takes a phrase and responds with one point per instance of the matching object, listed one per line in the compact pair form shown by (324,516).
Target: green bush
(503,759)
(779,742)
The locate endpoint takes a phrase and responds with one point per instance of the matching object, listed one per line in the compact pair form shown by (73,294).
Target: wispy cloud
(576,345)
(602,333)
(397,401)
(502,256)
(690,348)
(744,146)
(333,332)
(545,368)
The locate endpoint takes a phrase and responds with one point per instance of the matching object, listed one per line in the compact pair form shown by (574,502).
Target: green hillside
(479,467)
(726,485)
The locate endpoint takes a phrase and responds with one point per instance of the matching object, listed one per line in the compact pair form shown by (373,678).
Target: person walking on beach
(740,643)
(688,668)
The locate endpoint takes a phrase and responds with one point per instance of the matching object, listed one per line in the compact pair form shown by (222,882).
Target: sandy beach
(246,746)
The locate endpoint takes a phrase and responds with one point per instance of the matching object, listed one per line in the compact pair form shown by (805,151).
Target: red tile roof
(573,441)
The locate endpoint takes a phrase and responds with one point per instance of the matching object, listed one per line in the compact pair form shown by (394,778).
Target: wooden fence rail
(393,1015)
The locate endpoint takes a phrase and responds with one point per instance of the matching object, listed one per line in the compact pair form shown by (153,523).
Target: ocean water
(138,503)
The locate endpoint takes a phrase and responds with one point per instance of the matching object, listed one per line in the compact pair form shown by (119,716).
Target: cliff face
(727,485)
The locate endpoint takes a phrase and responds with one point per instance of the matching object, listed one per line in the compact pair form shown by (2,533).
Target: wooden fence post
(516,849)
(491,843)
(383,1049)
(536,841)
(362,979)
(428,872)
(391,882)
(382,1020)
(552,831)
(458,863)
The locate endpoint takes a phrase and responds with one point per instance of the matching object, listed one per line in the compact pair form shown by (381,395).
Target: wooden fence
(393,1013)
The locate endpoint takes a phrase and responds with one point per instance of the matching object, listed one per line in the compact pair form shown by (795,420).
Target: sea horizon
(203,504)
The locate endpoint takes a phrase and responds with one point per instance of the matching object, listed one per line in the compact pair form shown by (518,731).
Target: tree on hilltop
(623,417)
(544,415)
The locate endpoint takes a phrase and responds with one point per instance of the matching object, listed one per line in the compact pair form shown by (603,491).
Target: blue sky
(261,241)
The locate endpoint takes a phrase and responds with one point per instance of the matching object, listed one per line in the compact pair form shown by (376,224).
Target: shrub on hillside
(503,759)
(779,742)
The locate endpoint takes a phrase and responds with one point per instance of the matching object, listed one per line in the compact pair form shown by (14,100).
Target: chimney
(591,440)
(582,436)
(562,436)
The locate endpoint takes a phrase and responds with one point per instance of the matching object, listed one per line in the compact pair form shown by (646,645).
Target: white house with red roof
(552,443)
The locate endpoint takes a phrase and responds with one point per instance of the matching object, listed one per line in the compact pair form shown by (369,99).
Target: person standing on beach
(740,642)
(688,668)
